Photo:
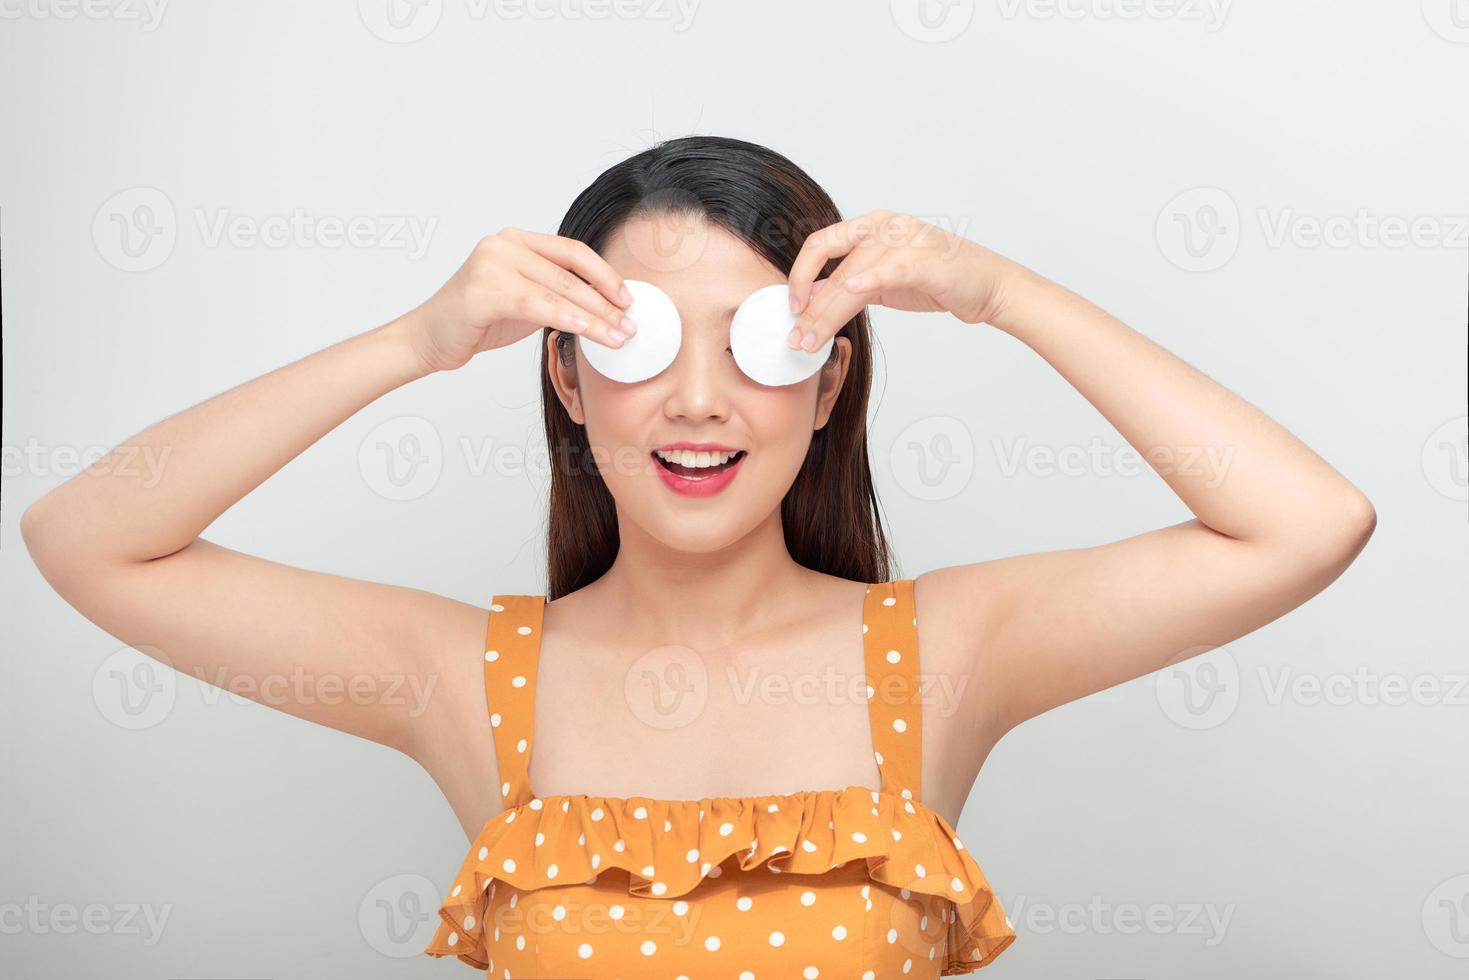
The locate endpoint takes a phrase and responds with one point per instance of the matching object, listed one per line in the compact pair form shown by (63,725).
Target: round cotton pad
(646,352)
(757,335)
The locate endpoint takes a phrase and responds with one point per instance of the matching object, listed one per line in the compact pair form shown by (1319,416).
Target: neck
(699,597)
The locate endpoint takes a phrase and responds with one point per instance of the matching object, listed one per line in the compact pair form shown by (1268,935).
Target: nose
(701,379)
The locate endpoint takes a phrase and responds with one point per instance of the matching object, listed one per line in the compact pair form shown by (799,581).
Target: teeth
(685,457)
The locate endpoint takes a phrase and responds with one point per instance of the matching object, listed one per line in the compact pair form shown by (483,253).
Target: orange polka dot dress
(850,883)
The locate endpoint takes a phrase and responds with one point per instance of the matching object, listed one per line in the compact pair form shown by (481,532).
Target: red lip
(706,486)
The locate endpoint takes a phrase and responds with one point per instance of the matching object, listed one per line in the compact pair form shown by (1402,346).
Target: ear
(833,375)
(561,366)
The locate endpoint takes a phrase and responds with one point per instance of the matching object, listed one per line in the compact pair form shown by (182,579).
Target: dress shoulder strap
(890,645)
(512,650)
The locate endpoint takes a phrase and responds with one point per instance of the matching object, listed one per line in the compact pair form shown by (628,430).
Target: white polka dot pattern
(609,887)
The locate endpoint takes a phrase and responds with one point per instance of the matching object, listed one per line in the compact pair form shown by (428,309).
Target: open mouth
(696,466)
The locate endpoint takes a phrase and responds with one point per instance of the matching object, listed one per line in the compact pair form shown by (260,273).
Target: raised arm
(1273,523)
(121,542)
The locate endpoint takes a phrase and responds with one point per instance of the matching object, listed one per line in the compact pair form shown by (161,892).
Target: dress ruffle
(668,847)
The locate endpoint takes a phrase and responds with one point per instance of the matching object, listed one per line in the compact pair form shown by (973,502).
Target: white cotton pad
(757,335)
(646,352)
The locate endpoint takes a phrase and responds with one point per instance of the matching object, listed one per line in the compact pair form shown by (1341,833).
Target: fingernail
(580,321)
(794,337)
(795,303)
(616,335)
(809,341)
(624,295)
(628,326)
(856,282)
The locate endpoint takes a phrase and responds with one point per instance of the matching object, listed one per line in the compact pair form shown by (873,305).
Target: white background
(1169,160)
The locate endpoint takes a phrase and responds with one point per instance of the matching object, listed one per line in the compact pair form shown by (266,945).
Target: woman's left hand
(892,259)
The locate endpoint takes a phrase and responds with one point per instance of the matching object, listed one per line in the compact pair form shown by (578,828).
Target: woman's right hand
(513,283)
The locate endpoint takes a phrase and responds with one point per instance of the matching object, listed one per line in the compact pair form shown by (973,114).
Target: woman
(674,809)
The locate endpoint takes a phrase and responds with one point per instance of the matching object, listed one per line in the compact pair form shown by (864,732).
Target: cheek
(618,422)
(780,421)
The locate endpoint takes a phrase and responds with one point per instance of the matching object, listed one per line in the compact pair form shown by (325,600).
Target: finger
(830,309)
(603,317)
(820,248)
(537,304)
(582,259)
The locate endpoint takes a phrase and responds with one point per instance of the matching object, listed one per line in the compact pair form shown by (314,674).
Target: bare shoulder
(955,608)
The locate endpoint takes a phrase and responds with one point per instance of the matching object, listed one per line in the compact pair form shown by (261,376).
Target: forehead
(702,267)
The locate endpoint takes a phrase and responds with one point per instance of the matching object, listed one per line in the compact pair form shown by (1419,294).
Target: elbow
(39,532)
(1359,521)
(31,524)
(1346,528)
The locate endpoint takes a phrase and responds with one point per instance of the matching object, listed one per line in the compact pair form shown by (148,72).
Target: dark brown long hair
(830,513)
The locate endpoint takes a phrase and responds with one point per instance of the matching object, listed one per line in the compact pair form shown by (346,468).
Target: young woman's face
(702,397)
